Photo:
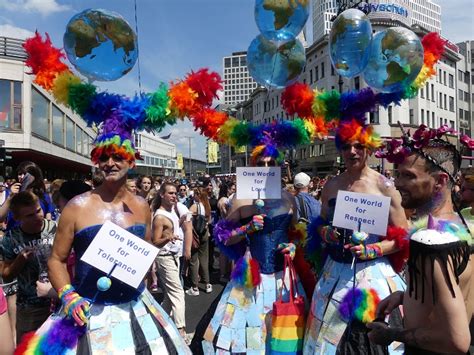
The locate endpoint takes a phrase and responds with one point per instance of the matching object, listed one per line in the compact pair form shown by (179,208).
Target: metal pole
(189,156)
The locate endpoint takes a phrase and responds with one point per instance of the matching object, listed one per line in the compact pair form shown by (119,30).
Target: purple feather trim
(222,232)
(349,303)
(63,335)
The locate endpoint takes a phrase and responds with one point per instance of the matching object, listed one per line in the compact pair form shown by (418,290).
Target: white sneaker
(208,288)
(193,291)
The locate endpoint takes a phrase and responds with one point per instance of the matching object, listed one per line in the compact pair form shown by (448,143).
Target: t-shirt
(46,205)
(311,205)
(14,243)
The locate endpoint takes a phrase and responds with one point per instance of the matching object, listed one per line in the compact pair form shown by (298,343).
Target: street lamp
(190,163)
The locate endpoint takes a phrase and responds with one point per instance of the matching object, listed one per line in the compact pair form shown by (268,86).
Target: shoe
(154,288)
(193,291)
(208,288)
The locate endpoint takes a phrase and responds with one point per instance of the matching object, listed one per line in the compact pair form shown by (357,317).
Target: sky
(177,36)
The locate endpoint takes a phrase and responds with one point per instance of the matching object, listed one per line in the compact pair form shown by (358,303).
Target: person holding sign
(254,235)
(439,302)
(350,265)
(120,318)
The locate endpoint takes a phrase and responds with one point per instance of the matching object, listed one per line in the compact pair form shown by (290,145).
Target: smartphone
(27,181)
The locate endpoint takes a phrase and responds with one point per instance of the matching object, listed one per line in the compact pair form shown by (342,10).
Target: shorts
(3,302)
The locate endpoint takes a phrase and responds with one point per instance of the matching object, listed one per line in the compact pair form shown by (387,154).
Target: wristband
(371,251)
(74,306)
(329,235)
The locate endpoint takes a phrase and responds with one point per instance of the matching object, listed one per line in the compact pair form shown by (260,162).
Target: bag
(288,318)
(302,211)
(199,228)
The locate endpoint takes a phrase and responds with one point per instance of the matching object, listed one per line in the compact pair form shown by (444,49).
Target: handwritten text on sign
(370,210)
(259,182)
(115,245)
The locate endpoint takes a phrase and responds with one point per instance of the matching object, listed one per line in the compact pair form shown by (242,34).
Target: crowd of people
(44,225)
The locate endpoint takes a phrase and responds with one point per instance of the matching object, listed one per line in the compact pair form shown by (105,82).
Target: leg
(11,301)
(194,268)
(163,271)
(6,345)
(203,252)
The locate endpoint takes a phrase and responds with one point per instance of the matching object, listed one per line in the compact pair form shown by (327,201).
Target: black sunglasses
(115,157)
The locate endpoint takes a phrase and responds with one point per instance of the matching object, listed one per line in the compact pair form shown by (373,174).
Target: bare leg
(11,300)
(7,344)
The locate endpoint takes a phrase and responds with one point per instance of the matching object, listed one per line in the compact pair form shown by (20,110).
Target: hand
(74,305)
(379,333)
(187,255)
(287,248)
(329,234)
(26,254)
(256,224)
(366,252)
(388,304)
(43,289)
(15,188)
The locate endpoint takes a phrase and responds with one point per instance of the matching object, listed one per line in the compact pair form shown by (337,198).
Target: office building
(238,84)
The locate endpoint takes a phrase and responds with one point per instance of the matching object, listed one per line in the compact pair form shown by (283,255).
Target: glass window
(322,70)
(5,103)
(451,80)
(374,117)
(39,114)
(70,142)
(390,114)
(58,126)
(78,140)
(451,104)
(227,62)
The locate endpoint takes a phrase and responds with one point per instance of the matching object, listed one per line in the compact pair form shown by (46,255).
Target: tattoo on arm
(409,337)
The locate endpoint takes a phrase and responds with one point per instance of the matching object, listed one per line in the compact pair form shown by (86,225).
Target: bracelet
(66,289)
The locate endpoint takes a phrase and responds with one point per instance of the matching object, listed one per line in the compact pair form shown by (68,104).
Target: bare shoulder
(385,185)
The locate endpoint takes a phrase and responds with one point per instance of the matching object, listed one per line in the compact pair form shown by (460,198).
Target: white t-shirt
(175,247)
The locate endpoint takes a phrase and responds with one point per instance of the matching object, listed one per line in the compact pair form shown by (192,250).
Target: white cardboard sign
(370,210)
(258,182)
(115,245)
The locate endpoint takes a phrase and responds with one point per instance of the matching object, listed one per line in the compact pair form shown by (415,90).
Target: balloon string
(138,51)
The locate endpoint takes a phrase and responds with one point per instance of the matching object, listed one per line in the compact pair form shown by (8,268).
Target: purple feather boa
(63,335)
(222,232)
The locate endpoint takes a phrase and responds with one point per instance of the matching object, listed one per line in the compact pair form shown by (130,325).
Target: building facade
(238,84)
(35,127)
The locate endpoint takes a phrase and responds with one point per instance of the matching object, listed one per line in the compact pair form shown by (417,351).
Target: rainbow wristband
(371,251)
(66,289)
(329,235)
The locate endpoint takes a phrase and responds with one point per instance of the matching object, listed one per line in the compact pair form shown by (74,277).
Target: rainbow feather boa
(192,97)
(62,336)
(246,272)
(360,304)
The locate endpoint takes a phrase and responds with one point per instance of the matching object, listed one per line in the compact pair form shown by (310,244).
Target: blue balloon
(100,44)
(349,42)
(396,58)
(281,21)
(275,66)
(104,283)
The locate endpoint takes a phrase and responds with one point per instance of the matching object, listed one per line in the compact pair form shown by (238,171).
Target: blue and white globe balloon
(349,42)
(281,20)
(100,44)
(275,66)
(396,58)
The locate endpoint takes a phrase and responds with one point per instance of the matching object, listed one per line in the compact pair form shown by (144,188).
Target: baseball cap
(301,180)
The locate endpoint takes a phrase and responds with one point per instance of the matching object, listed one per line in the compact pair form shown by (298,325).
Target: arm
(447,332)
(188,238)
(12,268)
(161,234)
(14,189)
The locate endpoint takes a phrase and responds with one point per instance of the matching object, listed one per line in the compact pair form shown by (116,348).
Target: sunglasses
(266,163)
(115,157)
(182,189)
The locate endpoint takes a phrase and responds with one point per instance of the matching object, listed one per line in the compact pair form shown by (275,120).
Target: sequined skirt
(136,327)
(242,320)
(324,326)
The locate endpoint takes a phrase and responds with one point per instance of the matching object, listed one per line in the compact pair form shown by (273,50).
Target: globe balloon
(349,42)
(275,66)
(281,20)
(100,44)
(396,58)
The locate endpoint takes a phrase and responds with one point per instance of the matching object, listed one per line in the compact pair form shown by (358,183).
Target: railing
(12,48)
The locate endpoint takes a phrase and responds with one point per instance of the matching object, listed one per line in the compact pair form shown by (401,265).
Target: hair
(156,203)
(23,199)
(37,186)
(224,191)
(179,186)
(72,188)
(140,180)
(441,155)
(204,199)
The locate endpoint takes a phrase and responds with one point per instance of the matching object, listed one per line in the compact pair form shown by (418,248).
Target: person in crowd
(265,230)
(132,186)
(168,236)
(208,184)
(439,302)
(307,207)
(3,191)
(183,195)
(30,178)
(388,174)
(26,249)
(223,204)
(467,197)
(7,344)
(326,331)
(145,326)
(199,263)
(157,183)
(144,186)
(97,178)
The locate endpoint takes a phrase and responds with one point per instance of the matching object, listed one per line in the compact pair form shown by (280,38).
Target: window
(422,116)
(243,62)
(466,96)
(390,118)
(332,71)
(427,91)
(460,75)
(374,117)
(440,103)
(235,61)
(70,142)
(39,114)
(422,93)
(10,104)
(79,133)
(460,94)
(310,76)
(444,78)
(316,73)
(322,70)
(451,81)
(451,104)
(58,126)
(412,118)
(445,102)
(227,62)
(461,113)
(433,119)
(433,94)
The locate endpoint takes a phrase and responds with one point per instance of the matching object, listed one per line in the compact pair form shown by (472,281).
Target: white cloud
(7,30)
(44,7)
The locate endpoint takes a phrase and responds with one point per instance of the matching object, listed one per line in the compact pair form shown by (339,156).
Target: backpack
(199,223)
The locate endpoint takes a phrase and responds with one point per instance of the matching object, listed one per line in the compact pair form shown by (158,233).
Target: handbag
(288,318)
(199,228)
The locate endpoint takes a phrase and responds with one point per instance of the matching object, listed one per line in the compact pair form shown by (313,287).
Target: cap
(301,180)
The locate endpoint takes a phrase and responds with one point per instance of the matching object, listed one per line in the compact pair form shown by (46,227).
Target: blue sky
(176,36)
